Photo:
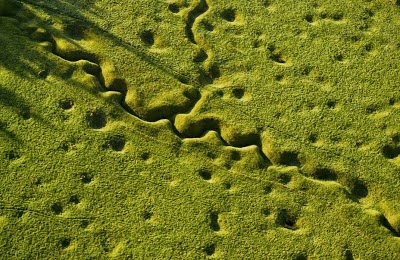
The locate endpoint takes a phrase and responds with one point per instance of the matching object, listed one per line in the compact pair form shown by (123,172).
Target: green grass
(199,129)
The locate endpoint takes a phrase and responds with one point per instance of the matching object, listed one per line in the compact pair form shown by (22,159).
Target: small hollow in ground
(238,93)
(210,249)
(57,208)
(205,174)
(228,15)
(86,178)
(391,151)
(325,174)
(173,8)
(147,37)
(66,104)
(65,242)
(96,119)
(116,142)
(214,225)
(74,199)
(286,220)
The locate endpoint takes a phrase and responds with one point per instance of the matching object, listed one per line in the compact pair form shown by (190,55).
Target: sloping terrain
(199,129)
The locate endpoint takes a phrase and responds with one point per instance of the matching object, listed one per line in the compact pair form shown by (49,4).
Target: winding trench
(200,9)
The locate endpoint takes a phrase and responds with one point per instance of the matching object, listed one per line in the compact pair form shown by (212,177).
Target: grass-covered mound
(199,129)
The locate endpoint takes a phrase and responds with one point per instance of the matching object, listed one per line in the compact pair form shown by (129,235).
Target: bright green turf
(199,129)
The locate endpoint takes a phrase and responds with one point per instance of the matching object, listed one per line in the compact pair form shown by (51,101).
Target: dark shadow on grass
(24,56)
(27,57)
(19,51)
(7,133)
(11,100)
(18,54)
(74,19)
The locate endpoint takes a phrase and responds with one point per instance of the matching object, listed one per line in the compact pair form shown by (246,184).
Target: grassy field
(199,129)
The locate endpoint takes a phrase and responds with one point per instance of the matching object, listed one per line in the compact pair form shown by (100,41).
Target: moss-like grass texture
(195,129)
